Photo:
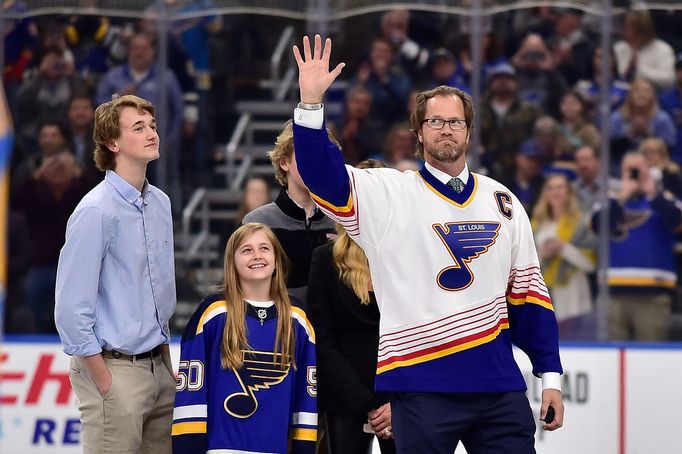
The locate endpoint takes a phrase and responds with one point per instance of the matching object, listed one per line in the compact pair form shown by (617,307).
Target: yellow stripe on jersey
(304,434)
(305,322)
(184,428)
(439,354)
(213,306)
(449,200)
(530,300)
(336,209)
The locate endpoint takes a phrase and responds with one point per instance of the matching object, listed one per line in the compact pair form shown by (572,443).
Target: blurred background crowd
(542,133)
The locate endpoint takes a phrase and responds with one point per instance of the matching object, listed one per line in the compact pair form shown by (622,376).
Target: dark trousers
(486,423)
(345,436)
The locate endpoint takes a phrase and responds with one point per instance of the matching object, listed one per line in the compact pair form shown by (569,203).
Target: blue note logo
(260,370)
(464,241)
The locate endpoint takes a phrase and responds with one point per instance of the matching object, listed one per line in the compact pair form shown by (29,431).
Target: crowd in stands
(57,70)
(539,122)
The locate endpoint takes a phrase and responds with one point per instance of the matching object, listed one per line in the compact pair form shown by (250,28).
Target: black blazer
(347,335)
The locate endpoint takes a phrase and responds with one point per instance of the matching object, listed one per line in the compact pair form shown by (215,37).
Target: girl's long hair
(235,336)
(349,258)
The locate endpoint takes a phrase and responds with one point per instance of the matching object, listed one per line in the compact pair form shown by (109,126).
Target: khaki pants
(640,317)
(135,416)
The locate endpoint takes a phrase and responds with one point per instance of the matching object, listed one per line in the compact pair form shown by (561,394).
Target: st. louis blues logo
(465,241)
(260,370)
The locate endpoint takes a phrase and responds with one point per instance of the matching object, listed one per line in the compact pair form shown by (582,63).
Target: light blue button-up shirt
(116,277)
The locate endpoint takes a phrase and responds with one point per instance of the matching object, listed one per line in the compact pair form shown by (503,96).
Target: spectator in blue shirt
(387,82)
(115,290)
(139,76)
(639,118)
(445,70)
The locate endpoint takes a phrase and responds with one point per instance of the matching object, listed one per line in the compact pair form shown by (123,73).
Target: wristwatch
(310,106)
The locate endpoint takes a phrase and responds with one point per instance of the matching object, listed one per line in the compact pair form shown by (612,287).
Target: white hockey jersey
(456,276)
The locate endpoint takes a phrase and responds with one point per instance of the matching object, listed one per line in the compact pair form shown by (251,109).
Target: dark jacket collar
(291,209)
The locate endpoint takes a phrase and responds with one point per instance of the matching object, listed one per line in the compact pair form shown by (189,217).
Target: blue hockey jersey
(260,408)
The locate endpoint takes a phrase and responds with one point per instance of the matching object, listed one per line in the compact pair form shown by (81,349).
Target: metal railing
(280,86)
(231,150)
(237,167)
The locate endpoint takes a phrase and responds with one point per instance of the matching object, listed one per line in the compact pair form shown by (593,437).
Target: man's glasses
(438,123)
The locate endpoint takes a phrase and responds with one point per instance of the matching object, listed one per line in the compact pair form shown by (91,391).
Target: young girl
(247,377)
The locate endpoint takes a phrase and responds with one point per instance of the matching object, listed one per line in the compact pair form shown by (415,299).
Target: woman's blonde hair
(349,258)
(235,335)
(628,109)
(543,209)
(657,146)
(642,25)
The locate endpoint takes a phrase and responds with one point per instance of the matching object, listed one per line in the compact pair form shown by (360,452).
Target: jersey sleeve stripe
(211,311)
(526,285)
(304,434)
(184,428)
(299,315)
(190,411)
(305,418)
(339,211)
(530,300)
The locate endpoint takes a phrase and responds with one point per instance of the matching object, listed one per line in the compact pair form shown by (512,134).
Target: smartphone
(634,174)
(549,416)
(534,56)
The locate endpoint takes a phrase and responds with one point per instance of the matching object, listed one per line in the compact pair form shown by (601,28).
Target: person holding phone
(541,84)
(642,278)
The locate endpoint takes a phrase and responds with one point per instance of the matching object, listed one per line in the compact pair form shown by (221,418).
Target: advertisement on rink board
(616,400)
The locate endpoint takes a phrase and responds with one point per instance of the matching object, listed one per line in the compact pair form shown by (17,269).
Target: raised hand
(314,76)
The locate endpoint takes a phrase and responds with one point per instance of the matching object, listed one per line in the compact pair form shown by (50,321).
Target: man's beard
(445,151)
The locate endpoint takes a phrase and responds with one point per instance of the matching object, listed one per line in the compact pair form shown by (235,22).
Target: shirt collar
(444,177)
(126,190)
(293,209)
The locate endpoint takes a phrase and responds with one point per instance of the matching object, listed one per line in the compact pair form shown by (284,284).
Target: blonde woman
(346,317)
(640,117)
(566,249)
(247,380)
(662,168)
